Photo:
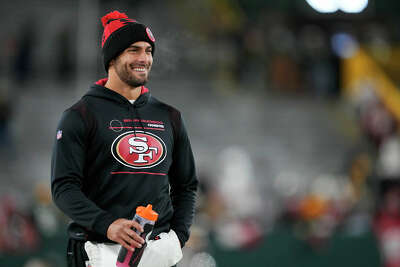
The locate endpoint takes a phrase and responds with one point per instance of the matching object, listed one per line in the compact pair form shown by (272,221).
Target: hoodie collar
(98,90)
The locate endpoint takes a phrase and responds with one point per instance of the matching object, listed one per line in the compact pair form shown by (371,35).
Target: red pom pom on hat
(112,15)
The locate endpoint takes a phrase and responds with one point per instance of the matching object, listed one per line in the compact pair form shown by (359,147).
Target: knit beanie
(119,33)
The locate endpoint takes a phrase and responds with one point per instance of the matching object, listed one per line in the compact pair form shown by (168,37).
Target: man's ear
(112,62)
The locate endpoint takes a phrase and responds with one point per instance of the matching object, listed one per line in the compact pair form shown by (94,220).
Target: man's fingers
(122,232)
(134,235)
(136,225)
(131,241)
(125,244)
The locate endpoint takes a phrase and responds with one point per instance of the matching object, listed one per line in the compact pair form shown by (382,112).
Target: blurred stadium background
(292,109)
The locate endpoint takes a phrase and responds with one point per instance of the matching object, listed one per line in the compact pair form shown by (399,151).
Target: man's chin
(140,78)
(137,83)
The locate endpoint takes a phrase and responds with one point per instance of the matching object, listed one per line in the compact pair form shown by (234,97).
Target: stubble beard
(125,74)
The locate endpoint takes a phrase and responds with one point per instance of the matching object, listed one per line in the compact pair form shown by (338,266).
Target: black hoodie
(111,156)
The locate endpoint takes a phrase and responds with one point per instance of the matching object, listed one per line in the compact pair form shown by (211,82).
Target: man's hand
(121,232)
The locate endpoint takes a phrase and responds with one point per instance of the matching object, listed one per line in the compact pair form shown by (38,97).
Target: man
(118,148)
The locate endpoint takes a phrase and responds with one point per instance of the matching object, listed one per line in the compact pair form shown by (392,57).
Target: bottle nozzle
(147,212)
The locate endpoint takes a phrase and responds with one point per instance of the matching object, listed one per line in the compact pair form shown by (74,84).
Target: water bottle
(146,217)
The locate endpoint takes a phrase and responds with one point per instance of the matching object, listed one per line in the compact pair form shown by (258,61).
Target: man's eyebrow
(137,46)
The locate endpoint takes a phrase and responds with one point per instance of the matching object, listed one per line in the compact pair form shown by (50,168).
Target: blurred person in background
(65,64)
(119,148)
(18,233)
(23,61)
(6,108)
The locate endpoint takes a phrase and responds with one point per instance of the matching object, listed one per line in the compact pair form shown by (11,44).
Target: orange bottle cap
(147,212)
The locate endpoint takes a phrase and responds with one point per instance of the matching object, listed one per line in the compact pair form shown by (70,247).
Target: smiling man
(130,70)
(118,148)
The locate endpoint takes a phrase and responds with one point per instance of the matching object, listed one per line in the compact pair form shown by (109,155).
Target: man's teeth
(139,69)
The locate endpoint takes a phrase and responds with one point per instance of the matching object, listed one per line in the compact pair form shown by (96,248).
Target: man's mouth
(139,69)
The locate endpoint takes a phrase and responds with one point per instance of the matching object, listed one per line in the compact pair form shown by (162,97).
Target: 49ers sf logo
(140,150)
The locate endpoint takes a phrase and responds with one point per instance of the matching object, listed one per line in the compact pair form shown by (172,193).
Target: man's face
(134,63)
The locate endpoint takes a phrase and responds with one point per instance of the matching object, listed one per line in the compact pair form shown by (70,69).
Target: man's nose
(143,56)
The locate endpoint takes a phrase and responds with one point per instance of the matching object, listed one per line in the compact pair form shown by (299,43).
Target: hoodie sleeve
(67,175)
(184,184)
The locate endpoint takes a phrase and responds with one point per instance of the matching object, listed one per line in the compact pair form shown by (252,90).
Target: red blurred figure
(17,231)
(387,227)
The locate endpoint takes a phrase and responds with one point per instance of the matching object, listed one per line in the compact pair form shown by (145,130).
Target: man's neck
(115,84)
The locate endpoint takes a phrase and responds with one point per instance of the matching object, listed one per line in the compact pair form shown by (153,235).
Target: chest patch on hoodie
(139,150)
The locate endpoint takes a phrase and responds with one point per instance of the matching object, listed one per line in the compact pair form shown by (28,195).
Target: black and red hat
(120,32)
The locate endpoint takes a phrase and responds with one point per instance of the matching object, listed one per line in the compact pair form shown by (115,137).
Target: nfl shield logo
(59,134)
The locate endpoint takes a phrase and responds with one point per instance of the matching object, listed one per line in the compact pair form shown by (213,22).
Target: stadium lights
(327,6)
(331,6)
